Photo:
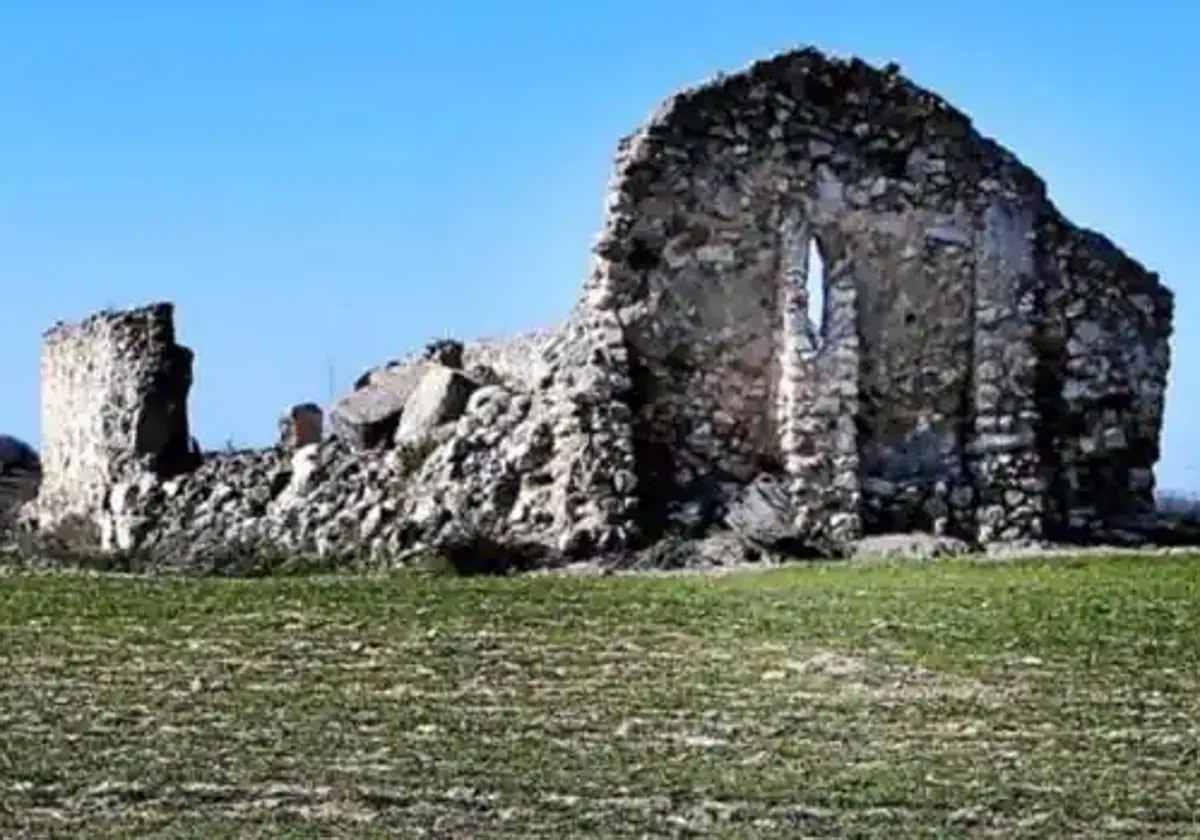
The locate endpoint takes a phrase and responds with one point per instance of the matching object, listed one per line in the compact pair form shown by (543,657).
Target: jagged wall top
(833,98)
(963,275)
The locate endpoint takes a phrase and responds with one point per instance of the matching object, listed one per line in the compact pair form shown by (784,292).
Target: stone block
(301,425)
(367,417)
(440,397)
(114,400)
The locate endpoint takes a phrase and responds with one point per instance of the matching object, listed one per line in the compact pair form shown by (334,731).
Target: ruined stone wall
(1107,332)
(114,392)
(924,413)
(977,366)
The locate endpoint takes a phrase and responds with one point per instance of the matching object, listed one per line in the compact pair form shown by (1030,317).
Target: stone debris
(821,306)
(762,514)
(367,417)
(323,499)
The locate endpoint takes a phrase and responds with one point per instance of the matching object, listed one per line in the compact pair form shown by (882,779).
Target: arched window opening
(815,292)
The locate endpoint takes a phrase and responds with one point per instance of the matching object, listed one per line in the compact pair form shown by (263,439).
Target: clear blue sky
(315,182)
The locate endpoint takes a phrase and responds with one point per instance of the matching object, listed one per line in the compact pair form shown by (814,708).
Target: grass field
(1054,699)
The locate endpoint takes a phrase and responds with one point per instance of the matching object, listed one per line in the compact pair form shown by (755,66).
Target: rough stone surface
(821,306)
(114,399)
(323,499)
(440,397)
(956,382)
(762,513)
(368,417)
(301,425)
(913,546)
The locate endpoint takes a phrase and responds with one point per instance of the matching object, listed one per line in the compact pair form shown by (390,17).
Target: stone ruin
(821,306)
(114,401)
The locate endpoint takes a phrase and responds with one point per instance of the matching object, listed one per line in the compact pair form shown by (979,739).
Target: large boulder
(367,417)
(763,514)
(440,397)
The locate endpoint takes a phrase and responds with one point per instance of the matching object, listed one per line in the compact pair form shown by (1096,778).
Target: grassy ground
(1021,700)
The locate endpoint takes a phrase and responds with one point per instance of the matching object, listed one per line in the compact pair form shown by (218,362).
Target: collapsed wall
(353,496)
(114,399)
(482,464)
(821,305)
(368,416)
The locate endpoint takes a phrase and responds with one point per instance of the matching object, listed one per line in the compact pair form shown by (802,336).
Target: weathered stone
(368,416)
(301,425)
(762,514)
(715,551)
(440,397)
(445,352)
(911,546)
(114,398)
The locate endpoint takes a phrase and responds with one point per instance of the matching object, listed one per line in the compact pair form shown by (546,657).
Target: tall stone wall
(1106,336)
(114,396)
(929,411)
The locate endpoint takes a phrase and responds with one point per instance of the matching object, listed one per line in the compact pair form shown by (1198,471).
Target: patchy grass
(1052,699)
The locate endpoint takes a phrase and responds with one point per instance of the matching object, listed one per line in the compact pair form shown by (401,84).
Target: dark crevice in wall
(163,431)
(1052,423)
(642,257)
(964,522)
(866,400)
(653,460)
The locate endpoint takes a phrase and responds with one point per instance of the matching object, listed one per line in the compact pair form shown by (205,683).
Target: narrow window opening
(815,292)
